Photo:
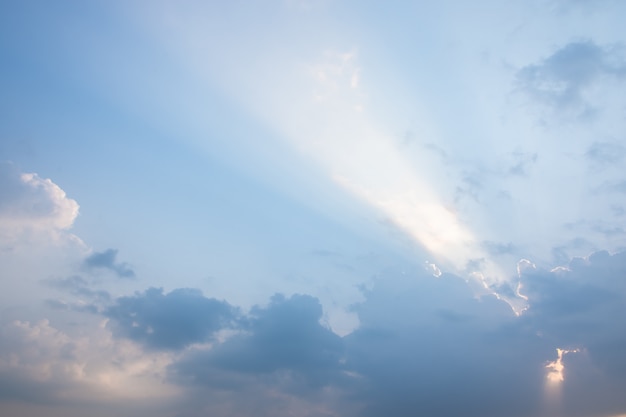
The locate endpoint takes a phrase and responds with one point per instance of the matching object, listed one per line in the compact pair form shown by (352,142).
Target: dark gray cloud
(106,260)
(169,321)
(561,79)
(285,336)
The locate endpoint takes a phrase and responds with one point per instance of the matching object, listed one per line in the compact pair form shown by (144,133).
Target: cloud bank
(425,345)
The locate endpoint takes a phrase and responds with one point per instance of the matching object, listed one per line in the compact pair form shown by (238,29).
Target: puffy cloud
(577,306)
(32,205)
(36,361)
(283,362)
(420,341)
(425,345)
(169,321)
(423,341)
(35,241)
(41,364)
(284,336)
(106,260)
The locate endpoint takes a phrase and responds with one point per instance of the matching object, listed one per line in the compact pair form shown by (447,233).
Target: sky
(313,208)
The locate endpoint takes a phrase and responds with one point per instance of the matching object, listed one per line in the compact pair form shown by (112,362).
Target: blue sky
(312,208)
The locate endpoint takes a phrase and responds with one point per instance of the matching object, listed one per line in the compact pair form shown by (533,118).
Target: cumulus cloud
(563,79)
(106,260)
(41,365)
(577,304)
(282,362)
(36,361)
(578,307)
(169,321)
(32,205)
(421,341)
(284,336)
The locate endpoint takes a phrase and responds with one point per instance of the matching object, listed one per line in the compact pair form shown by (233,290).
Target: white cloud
(32,207)
(48,365)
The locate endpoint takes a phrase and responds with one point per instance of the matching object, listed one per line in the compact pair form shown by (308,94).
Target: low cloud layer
(429,346)
(425,345)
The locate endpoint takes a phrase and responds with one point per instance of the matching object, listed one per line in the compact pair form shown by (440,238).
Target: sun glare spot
(556,368)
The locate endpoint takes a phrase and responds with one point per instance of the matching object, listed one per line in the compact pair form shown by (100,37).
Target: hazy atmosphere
(313,208)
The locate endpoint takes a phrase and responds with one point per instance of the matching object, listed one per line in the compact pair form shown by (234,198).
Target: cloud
(282,362)
(41,365)
(617,187)
(499,248)
(35,361)
(285,336)
(562,79)
(78,286)
(522,162)
(578,307)
(106,260)
(576,304)
(169,321)
(421,341)
(604,154)
(32,206)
